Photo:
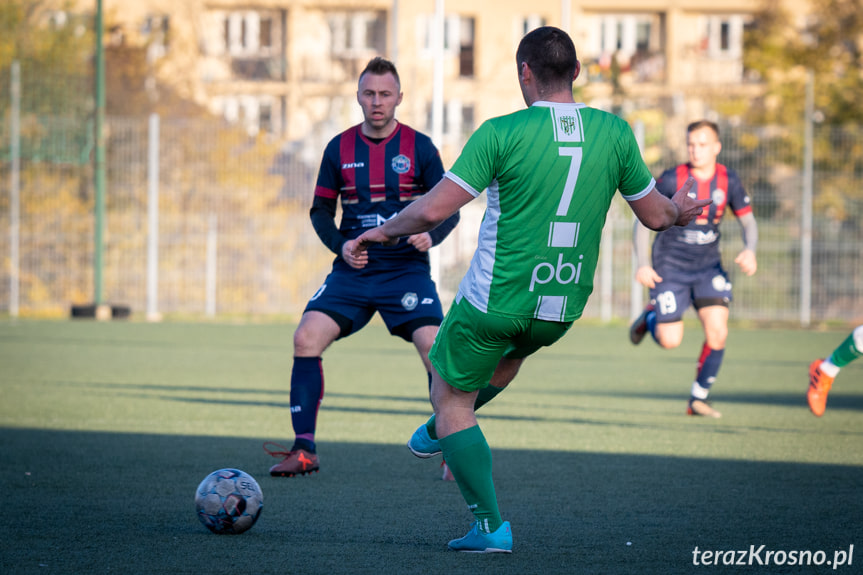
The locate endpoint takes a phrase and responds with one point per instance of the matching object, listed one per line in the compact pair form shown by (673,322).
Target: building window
(458,40)
(358,34)
(623,43)
(454,34)
(467,121)
(266,33)
(466,48)
(531,22)
(458,121)
(243,45)
(723,36)
(155,30)
(623,35)
(642,36)
(265,117)
(246,34)
(254,113)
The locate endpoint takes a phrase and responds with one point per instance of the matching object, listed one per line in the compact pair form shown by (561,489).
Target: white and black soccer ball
(229,501)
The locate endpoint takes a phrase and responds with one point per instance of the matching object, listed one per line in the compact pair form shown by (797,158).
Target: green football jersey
(550,172)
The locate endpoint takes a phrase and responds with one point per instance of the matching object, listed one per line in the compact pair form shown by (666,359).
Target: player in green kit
(550,172)
(822,372)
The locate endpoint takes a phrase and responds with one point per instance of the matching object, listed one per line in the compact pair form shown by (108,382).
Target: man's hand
(747,262)
(369,237)
(422,242)
(688,208)
(647,276)
(355,259)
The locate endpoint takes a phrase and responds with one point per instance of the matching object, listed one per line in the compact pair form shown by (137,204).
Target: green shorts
(470,343)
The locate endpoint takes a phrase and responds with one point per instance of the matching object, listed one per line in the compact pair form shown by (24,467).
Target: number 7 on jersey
(571,178)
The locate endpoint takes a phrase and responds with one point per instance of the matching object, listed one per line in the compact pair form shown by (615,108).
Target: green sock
(485,395)
(846,352)
(430,427)
(468,456)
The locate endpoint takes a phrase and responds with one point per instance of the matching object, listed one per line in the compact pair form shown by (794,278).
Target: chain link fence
(233,237)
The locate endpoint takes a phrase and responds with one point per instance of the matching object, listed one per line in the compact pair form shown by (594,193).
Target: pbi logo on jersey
(401,164)
(410,301)
(564,272)
(718,197)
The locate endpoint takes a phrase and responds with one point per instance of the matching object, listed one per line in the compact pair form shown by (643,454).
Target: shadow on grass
(100,502)
(419,407)
(844,400)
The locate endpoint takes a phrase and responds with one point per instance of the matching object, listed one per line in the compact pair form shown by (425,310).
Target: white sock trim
(698,391)
(829,368)
(858,337)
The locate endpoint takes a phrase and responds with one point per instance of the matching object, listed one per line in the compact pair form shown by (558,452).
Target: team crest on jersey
(568,124)
(721,284)
(410,301)
(718,197)
(401,164)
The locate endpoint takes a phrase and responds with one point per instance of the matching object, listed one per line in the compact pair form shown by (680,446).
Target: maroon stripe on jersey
(407,145)
(743,211)
(721,184)
(347,157)
(377,168)
(682,174)
(326,193)
(702,190)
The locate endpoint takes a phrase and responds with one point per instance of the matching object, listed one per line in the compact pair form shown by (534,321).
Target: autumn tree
(782,50)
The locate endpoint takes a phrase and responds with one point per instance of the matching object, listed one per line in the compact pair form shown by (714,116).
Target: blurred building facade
(229,231)
(289,67)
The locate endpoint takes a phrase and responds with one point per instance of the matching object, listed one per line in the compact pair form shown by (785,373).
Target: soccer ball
(229,501)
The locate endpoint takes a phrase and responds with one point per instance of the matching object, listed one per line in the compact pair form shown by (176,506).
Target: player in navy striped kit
(686,265)
(376,169)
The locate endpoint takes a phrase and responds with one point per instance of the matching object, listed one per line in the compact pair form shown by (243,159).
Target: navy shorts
(681,288)
(407,299)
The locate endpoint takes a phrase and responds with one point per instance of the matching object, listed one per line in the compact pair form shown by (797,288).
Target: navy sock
(651,324)
(708,366)
(307,392)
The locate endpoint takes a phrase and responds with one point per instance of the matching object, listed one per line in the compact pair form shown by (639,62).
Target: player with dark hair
(822,372)
(376,168)
(687,269)
(551,172)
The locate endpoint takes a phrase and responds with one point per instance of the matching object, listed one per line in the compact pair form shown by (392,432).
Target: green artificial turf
(107,428)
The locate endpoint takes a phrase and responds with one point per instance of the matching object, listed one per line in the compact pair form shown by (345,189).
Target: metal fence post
(153,219)
(211,270)
(606,261)
(14,190)
(636,290)
(806,208)
(99,167)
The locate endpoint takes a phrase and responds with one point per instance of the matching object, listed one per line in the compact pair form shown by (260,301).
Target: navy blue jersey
(696,246)
(375,181)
